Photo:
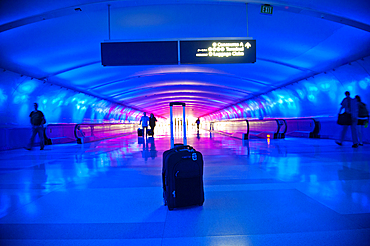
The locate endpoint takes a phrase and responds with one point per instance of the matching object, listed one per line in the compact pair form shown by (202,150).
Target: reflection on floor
(259,192)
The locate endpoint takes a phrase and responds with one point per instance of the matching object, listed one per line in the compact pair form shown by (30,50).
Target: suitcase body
(182,174)
(150,132)
(140,132)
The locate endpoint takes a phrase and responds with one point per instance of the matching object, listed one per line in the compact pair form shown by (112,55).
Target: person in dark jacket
(37,119)
(198,123)
(350,106)
(152,123)
(363,118)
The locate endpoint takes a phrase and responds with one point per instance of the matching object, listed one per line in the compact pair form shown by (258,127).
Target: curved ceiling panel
(59,41)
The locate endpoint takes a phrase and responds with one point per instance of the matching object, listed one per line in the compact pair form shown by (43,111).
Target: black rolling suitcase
(140,132)
(182,172)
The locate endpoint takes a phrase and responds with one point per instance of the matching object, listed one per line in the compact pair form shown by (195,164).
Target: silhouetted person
(363,118)
(350,106)
(144,123)
(37,121)
(198,123)
(152,123)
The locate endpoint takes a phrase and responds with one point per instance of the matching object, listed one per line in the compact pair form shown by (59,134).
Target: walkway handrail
(269,128)
(60,133)
(88,132)
(303,127)
(244,128)
(275,128)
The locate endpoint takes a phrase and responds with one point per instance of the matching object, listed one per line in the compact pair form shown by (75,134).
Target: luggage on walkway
(140,132)
(182,172)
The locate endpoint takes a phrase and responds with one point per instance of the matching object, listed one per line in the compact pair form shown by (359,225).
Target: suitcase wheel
(170,208)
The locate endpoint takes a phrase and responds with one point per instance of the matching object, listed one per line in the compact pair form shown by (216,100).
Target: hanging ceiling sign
(178,52)
(217,51)
(266,9)
(139,53)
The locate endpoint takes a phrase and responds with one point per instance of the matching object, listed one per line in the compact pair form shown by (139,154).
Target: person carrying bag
(348,118)
(363,118)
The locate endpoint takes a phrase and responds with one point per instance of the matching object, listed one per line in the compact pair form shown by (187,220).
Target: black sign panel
(139,53)
(217,51)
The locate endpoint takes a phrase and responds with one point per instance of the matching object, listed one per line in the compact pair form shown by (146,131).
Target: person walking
(144,123)
(198,123)
(363,118)
(152,123)
(350,106)
(37,119)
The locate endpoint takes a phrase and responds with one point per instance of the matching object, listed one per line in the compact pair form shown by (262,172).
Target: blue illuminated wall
(317,96)
(60,105)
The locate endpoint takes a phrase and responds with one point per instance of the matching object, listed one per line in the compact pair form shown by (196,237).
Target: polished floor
(289,191)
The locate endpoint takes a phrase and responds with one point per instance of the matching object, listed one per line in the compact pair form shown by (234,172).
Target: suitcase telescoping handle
(183,122)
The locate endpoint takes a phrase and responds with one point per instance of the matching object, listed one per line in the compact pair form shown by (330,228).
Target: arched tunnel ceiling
(60,41)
